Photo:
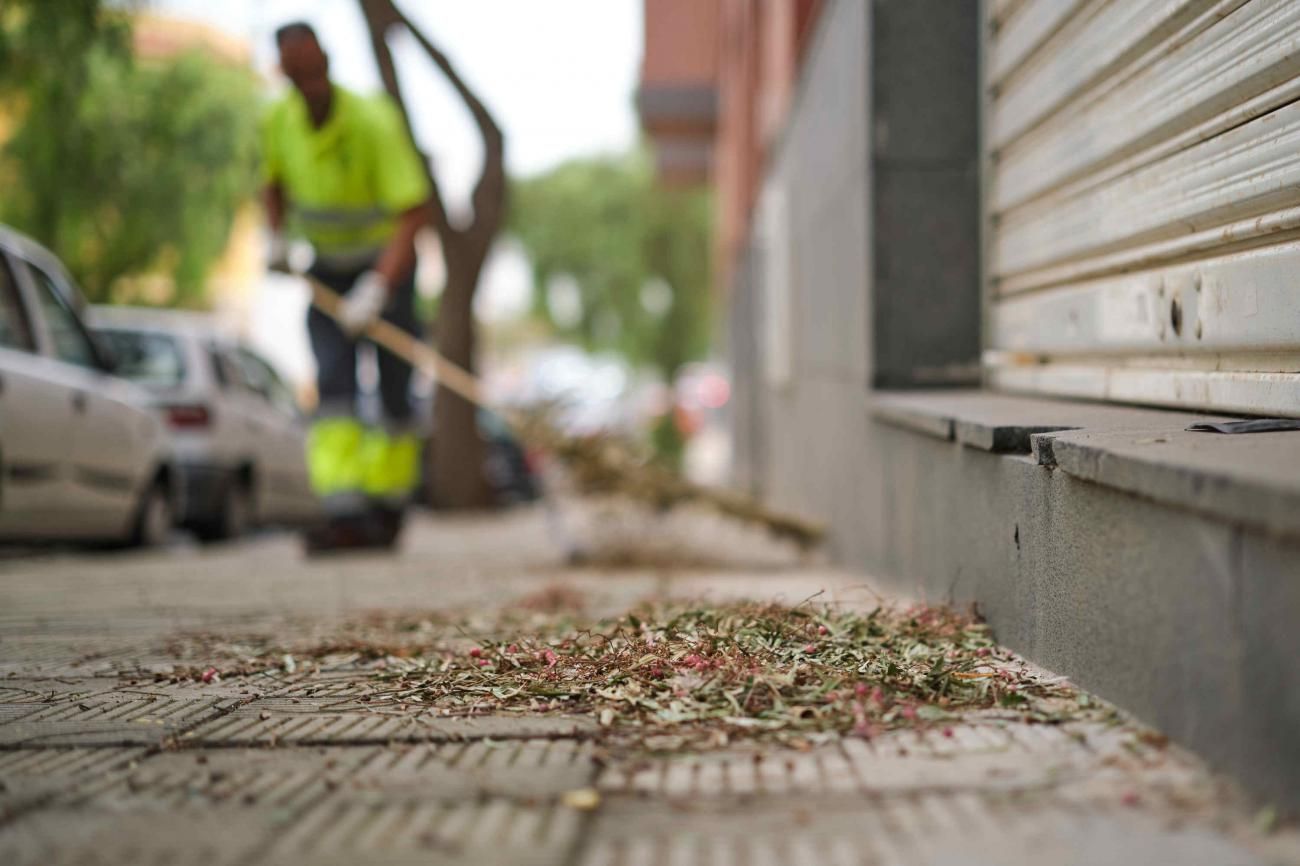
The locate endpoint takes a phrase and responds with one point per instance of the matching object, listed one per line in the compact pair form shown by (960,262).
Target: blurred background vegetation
(637,255)
(620,264)
(126,167)
(135,162)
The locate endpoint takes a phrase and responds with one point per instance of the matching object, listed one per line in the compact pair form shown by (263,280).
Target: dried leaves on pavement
(669,676)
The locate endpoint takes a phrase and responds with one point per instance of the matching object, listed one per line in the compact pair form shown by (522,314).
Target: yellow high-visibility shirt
(347,181)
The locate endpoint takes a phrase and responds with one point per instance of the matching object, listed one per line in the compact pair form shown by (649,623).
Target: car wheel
(154,517)
(239,510)
(235,516)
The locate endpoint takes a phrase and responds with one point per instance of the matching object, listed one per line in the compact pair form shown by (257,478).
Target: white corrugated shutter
(1143,201)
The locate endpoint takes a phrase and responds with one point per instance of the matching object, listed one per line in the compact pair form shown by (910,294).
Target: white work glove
(363,303)
(277,254)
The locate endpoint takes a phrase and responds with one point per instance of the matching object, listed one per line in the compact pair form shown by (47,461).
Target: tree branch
(491,133)
(380,17)
(489,192)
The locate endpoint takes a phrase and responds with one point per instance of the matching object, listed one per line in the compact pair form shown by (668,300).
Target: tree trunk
(457,456)
(458,453)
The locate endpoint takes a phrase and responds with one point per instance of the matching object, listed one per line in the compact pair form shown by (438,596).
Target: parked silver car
(238,437)
(81,454)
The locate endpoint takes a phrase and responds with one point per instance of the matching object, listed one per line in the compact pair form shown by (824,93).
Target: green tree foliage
(121,167)
(608,226)
(45,44)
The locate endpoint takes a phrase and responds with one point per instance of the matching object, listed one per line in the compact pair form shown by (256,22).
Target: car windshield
(146,357)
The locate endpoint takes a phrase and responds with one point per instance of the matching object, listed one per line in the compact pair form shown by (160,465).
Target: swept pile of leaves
(667,676)
(673,676)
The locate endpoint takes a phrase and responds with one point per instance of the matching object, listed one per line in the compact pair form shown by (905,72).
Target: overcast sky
(558,74)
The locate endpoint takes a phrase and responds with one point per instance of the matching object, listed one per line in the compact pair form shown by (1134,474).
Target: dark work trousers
(336,353)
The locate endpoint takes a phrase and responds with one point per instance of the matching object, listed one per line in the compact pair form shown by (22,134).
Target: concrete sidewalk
(104,759)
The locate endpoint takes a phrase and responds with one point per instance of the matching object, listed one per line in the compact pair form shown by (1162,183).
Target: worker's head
(305,63)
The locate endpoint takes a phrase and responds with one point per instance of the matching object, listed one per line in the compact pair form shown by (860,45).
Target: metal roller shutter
(1143,201)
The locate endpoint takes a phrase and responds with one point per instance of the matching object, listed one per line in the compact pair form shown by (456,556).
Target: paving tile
(15,690)
(70,656)
(983,757)
(52,837)
(476,802)
(79,624)
(100,655)
(329,690)
(271,721)
(235,691)
(34,656)
(112,719)
(23,697)
(281,780)
(30,777)
(529,770)
(292,778)
(906,830)
(11,712)
(342,832)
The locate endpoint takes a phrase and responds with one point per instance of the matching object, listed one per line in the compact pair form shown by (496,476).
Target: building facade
(716,82)
(983,267)
(678,96)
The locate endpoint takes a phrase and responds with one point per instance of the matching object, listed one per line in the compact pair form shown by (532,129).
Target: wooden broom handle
(414,351)
(456,378)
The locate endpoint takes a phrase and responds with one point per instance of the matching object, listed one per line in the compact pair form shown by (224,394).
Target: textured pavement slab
(482,831)
(994,757)
(277,722)
(35,777)
(112,719)
(83,836)
(913,830)
(110,752)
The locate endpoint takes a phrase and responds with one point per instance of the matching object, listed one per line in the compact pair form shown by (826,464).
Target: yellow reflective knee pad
(391,464)
(334,458)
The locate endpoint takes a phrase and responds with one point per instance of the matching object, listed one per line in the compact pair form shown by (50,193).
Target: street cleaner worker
(341,172)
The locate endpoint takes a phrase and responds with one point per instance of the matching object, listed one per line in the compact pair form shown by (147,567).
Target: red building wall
(747,53)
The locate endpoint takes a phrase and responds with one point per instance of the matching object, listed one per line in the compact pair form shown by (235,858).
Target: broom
(598,463)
